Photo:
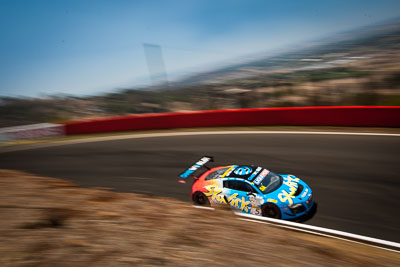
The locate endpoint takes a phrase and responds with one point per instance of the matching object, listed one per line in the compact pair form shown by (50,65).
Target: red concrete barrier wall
(299,116)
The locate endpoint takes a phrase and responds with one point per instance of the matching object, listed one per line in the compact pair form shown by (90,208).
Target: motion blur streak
(342,169)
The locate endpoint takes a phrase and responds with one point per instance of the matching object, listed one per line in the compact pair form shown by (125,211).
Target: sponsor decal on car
(216,197)
(254,174)
(285,196)
(261,176)
(195,167)
(240,203)
(229,171)
(215,193)
(291,182)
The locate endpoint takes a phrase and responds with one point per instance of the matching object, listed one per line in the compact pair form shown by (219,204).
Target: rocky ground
(51,222)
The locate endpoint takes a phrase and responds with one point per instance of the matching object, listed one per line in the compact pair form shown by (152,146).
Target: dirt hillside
(51,222)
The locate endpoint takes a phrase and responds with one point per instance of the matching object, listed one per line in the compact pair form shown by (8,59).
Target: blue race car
(251,189)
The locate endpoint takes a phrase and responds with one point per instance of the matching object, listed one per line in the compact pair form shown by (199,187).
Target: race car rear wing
(192,169)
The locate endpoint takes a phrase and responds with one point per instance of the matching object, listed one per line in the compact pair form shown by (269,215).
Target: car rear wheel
(200,199)
(272,211)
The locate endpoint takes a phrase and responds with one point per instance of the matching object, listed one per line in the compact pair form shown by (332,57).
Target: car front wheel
(272,211)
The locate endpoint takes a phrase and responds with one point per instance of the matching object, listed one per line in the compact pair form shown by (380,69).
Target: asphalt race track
(355,179)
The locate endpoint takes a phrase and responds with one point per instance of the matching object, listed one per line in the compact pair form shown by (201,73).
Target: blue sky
(85,47)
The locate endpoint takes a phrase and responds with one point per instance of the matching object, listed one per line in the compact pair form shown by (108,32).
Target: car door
(237,193)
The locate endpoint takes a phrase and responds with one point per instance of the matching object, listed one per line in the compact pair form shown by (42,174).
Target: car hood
(292,191)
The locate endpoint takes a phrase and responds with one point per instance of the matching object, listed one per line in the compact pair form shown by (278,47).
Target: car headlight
(309,200)
(297,208)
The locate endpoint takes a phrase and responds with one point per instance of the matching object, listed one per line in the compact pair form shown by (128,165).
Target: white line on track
(316,230)
(152,135)
(320,234)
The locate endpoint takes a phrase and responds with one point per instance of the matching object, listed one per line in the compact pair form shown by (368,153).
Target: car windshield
(217,173)
(270,183)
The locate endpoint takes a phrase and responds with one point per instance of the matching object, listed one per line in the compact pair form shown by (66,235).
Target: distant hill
(359,67)
(371,39)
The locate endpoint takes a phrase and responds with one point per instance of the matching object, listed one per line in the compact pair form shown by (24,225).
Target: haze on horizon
(88,47)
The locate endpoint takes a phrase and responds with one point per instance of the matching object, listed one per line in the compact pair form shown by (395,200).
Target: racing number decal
(256,203)
(243,170)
